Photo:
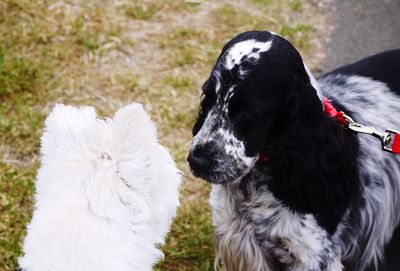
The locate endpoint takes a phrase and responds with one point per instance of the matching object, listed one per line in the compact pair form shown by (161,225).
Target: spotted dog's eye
(235,106)
(209,98)
(242,116)
(243,123)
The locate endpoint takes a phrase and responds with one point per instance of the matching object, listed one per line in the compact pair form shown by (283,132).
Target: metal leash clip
(386,137)
(387,141)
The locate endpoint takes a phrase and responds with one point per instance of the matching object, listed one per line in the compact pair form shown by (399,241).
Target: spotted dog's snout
(201,158)
(198,160)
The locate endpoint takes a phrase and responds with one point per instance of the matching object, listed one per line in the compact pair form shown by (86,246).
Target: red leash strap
(390,139)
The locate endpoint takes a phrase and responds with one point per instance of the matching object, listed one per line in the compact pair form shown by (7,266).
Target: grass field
(107,54)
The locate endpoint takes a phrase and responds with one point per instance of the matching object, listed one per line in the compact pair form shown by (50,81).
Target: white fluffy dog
(106,193)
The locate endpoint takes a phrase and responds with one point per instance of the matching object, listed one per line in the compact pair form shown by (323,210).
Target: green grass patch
(141,11)
(16,186)
(233,20)
(236,18)
(89,42)
(296,5)
(184,36)
(179,81)
(21,129)
(19,74)
(188,46)
(299,34)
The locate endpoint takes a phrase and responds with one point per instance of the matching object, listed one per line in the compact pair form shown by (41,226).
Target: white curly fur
(106,193)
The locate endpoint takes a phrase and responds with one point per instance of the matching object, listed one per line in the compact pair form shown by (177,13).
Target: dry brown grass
(107,54)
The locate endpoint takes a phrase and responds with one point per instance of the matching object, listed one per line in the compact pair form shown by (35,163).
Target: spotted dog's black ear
(311,161)
(300,107)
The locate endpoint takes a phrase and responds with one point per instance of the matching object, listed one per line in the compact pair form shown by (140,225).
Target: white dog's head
(106,175)
(119,156)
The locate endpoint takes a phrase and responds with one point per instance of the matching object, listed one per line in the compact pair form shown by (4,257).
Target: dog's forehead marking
(248,48)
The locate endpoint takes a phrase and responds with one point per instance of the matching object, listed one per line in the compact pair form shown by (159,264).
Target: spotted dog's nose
(199,159)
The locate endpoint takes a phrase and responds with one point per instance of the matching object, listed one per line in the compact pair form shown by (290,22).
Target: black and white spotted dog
(325,198)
